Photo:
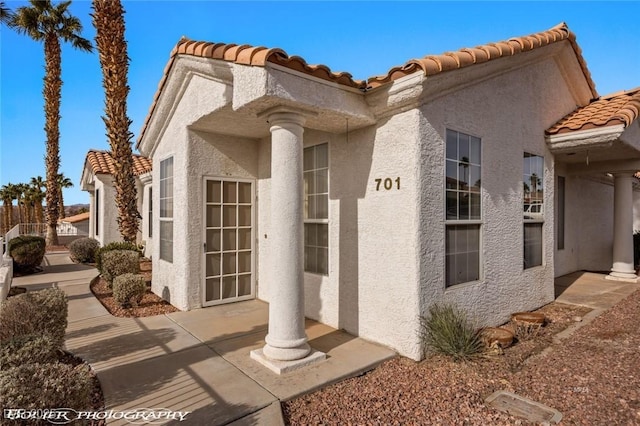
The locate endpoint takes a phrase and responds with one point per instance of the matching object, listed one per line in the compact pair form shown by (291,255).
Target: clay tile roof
(103,163)
(435,64)
(429,65)
(75,218)
(616,108)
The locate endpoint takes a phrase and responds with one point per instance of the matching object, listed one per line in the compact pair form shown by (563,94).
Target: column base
(622,276)
(282,367)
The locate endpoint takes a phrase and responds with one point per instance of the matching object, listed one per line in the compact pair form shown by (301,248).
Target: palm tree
(21,190)
(63,182)
(11,192)
(37,186)
(46,23)
(108,19)
(6,194)
(5,13)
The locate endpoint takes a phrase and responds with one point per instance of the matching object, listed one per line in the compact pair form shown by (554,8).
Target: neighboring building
(97,179)
(74,225)
(472,177)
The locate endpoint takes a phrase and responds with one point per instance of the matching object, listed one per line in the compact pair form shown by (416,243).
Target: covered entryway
(228,249)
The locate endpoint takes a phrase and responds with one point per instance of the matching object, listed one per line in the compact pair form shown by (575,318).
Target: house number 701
(387,183)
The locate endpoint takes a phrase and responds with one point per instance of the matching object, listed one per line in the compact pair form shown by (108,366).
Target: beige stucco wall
(108,215)
(509,113)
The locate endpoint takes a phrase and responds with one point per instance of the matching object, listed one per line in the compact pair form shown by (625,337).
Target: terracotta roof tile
(434,64)
(616,108)
(429,65)
(75,218)
(103,163)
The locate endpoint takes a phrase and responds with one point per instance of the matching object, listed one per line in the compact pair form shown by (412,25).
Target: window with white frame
(463,208)
(316,209)
(166,209)
(533,205)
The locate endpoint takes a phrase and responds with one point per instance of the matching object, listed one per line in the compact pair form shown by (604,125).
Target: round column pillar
(286,340)
(623,267)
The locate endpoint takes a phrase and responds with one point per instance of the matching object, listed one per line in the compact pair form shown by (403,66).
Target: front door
(228,245)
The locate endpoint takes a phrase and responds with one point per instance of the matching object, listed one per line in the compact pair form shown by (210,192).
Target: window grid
(166,209)
(463,208)
(150,216)
(228,240)
(533,209)
(316,209)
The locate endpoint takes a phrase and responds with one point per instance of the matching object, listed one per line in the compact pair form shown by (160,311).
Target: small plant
(27,349)
(119,262)
(36,386)
(448,331)
(114,245)
(27,252)
(128,289)
(39,312)
(83,250)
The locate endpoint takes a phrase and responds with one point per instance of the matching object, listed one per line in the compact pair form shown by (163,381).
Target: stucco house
(474,177)
(97,179)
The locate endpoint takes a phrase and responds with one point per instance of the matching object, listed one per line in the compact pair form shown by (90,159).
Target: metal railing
(40,229)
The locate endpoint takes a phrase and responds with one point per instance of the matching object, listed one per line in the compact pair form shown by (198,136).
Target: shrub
(448,331)
(128,289)
(39,312)
(31,348)
(118,262)
(27,252)
(114,245)
(83,250)
(38,386)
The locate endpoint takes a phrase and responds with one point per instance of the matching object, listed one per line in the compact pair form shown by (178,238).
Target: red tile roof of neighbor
(616,108)
(75,218)
(103,163)
(429,65)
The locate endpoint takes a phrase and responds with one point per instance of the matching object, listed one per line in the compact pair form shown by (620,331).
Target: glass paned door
(228,241)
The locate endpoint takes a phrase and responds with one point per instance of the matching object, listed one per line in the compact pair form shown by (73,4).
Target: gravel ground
(592,378)
(150,305)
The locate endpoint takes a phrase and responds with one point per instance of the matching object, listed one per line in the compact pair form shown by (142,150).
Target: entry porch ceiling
(246,123)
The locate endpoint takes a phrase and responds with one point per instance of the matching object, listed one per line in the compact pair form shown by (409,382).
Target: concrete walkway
(195,361)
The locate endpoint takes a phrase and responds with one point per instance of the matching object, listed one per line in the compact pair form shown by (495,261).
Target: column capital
(281,114)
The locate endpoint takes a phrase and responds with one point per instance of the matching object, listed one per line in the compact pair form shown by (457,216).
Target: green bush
(27,252)
(128,289)
(114,245)
(83,250)
(119,262)
(32,348)
(39,312)
(38,386)
(448,331)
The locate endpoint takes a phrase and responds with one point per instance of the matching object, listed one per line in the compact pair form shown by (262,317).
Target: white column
(92,213)
(286,342)
(623,267)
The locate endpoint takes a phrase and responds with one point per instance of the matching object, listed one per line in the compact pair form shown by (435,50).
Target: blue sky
(363,38)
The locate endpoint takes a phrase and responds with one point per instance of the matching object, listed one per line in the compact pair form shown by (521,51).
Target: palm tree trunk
(52,90)
(108,18)
(62,214)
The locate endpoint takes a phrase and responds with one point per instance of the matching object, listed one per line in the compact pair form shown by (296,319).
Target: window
(463,211)
(97,213)
(316,209)
(166,209)
(150,217)
(533,202)
(560,207)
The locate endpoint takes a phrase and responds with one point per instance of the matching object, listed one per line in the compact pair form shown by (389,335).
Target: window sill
(464,285)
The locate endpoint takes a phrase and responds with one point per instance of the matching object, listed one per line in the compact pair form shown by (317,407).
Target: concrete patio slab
(268,416)
(592,290)
(107,341)
(223,322)
(347,356)
(195,380)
